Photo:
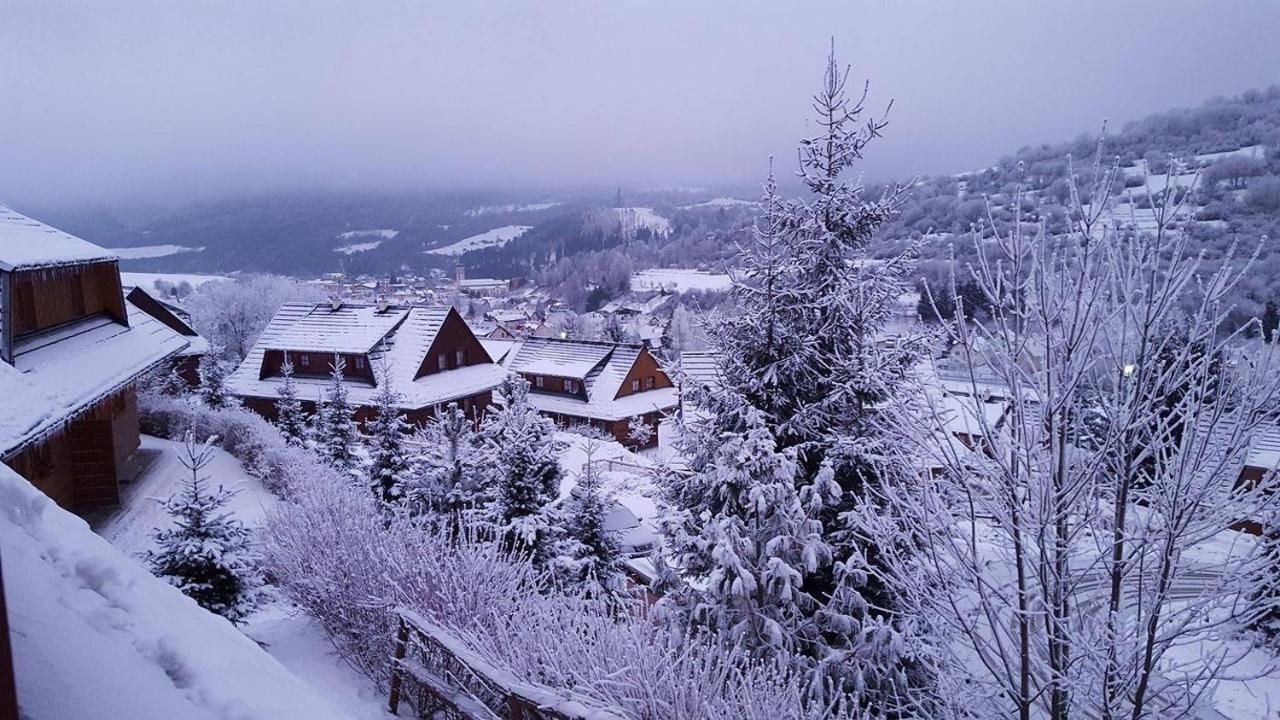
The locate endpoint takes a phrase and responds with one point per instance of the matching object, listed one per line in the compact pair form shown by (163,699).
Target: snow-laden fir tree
(213,381)
(786,463)
(639,431)
(451,470)
(524,470)
(589,555)
(388,457)
(335,433)
(208,555)
(289,416)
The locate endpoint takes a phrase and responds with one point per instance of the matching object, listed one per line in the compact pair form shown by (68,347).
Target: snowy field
(150,251)
(635,218)
(678,280)
(494,238)
(504,209)
(147,281)
(722,202)
(292,638)
(372,239)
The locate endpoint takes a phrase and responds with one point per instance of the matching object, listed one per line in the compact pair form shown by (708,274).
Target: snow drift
(95,636)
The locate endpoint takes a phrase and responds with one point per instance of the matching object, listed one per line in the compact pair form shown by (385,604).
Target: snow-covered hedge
(349,563)
(251,439)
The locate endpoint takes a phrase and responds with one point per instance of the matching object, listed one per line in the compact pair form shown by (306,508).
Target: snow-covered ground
(496,237)
(97,637)
(147,281)
(293,638)
(378,237)
(503,209)
(151,251)
(635,218)
(722,202)
(678,280)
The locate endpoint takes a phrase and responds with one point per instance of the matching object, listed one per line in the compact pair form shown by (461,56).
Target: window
(459,357)
(537,380)
(635,386)
(304,360)
(571,386)
(442,361)
(359,362)
(648,383)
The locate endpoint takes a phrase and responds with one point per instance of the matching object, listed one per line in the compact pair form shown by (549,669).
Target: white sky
(168,100)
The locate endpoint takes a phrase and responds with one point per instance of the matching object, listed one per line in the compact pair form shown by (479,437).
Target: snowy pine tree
(289,416)
(639,431)
(388,459)
(207,555)
(525,472)
(335,431)
(450,471)
(589,554)
(213,379)
(786,466)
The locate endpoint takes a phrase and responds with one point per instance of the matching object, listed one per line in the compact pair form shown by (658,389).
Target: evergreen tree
(388,461)
(639,431)
(449,473)
(213,379)
(786,466)
(207,555)
(335,431)
(525,474)
(289,416)
(590,555)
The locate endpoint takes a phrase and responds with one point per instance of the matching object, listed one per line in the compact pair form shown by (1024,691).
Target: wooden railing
(441,678)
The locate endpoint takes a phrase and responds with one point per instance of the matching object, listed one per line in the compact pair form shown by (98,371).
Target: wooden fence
(442,679)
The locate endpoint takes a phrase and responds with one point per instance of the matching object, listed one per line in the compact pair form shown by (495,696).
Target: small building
(601,384)
(72,350)
(430,356)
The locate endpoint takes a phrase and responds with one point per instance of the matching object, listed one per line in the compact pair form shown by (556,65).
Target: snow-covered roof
(701,366)
(26,243)
(600,366)
(97,637)
(1265,452)
(352,329)
(62,371)
(403,346)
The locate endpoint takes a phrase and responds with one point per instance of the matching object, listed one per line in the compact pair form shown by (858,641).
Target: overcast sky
(124,100)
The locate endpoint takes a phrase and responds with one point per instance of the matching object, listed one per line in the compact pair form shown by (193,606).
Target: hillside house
(430,356)
(72,349)
(601,384)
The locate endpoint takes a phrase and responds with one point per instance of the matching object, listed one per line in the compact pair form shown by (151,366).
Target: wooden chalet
(601,384)
(72,349)
(431,358)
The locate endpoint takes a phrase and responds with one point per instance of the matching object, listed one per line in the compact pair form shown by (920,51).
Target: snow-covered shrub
(340,556)
(266,454)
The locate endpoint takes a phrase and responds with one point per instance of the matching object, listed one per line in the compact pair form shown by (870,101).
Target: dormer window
(648,383)
(571,386)
(459,358)
(635,386)
(442,361)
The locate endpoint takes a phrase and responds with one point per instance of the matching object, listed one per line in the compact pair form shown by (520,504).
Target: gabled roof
(351,329)
(28,244)
(403,347)
(600,366)
(702,367)
(60,372)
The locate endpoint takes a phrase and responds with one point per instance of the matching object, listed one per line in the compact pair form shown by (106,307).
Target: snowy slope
(635,218)
(96,637)
(504,209)
(678,280)
(369,244)
(151,251)
(496,237)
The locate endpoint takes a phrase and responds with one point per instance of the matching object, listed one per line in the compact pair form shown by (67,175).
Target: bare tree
(1083,558)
